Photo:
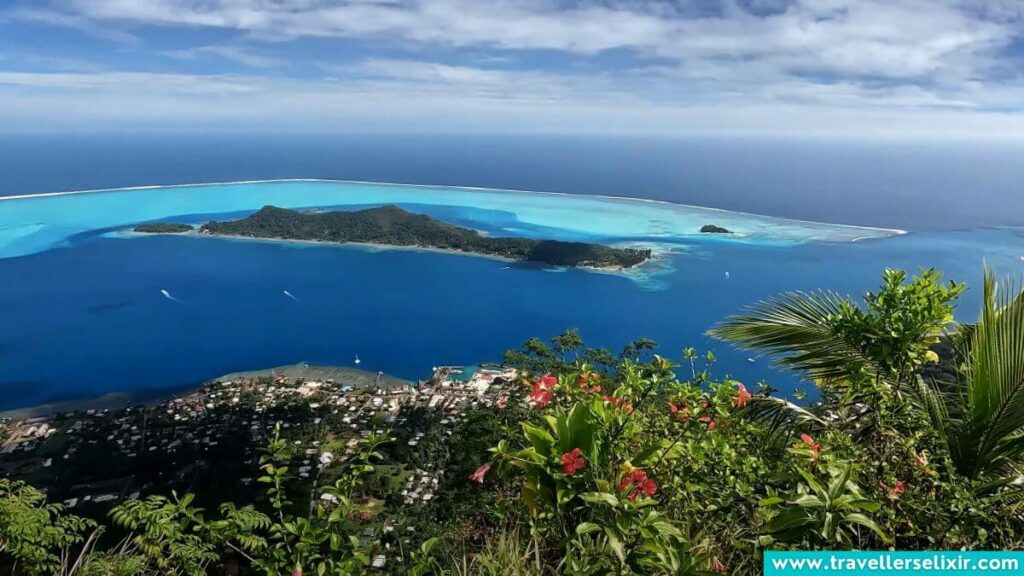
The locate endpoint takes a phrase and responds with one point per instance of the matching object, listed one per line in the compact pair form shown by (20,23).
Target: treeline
(393,226)
(163,228)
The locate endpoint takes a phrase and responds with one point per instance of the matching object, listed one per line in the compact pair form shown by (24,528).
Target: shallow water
(88,310)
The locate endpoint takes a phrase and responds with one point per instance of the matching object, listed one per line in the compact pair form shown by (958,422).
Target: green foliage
(34,533)
(606,470)
(597,463)
(167,532)
(394,226)
(982,416)
(322,541)
(824,512)
(900,323)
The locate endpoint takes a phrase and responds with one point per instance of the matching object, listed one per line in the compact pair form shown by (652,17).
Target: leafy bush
(597,463)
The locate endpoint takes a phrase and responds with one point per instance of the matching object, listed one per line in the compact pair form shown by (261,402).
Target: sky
(917,69)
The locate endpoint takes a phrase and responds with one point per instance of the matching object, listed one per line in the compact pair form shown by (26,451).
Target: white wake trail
(168,296)
(289,294)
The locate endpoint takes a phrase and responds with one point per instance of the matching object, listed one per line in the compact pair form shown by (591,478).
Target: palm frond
(780,414)
(928,399)
(986,436)
(795,327)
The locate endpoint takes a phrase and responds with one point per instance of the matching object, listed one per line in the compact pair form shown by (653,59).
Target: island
(713,229)
(163,228)
(392,226)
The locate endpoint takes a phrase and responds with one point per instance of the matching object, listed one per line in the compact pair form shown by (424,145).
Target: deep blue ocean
(88,318)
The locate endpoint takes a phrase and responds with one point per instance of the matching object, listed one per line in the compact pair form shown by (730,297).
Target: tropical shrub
(602,463)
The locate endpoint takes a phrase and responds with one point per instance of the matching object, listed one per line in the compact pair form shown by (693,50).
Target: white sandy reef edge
(889,231)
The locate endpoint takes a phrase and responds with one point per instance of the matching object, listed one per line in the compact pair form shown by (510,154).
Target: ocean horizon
(96,311)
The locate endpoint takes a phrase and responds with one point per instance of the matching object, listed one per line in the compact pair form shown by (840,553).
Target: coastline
(117,400)
(889,231)
(109,401)
(196,233)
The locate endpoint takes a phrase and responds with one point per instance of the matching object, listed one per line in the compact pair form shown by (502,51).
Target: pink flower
(540,396)
(815,447)
(717,565)
(573,461)
(896,490)
(742,396)
(542,393)
(501,402)
(478,475)
(708,421)
(297,571)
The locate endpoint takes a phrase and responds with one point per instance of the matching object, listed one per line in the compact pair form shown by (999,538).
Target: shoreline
(123,399)
(889,231)
(197,233)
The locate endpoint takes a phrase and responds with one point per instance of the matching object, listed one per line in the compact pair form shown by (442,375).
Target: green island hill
(393,226)
(714,229)
(163,228)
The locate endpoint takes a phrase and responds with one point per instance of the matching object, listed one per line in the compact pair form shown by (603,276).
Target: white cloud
(81,23)
(913,66)
(412,96)
(244,56)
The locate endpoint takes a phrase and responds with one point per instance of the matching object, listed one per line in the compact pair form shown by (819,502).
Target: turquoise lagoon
(89,309)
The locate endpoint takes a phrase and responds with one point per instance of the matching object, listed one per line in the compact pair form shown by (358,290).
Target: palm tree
(981,417)
(979,414)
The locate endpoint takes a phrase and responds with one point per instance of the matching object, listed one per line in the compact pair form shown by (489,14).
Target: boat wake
(167,295)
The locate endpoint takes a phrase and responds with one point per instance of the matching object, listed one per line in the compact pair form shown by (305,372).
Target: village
(90,460)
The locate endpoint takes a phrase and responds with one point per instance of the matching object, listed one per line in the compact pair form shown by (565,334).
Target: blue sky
(821,68)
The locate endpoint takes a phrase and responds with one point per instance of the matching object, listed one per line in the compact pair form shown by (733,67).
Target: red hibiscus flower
(547,381)
(810,443)
(501,402)
(742,396)
(619,403)
(573,461)
(682,414)
(541,396)
(896,490)
(708,421)
(478,475)
(636,483)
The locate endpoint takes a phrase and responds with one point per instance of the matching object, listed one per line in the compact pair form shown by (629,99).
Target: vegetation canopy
(391,225)
(597,462)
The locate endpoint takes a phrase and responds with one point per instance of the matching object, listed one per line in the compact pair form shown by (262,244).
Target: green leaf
(541,440)
(587,528)
(809,501)
(867,523)
(615,543)
(865,505)
(600,498)
(789,519)
(838,483)
(813,482)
